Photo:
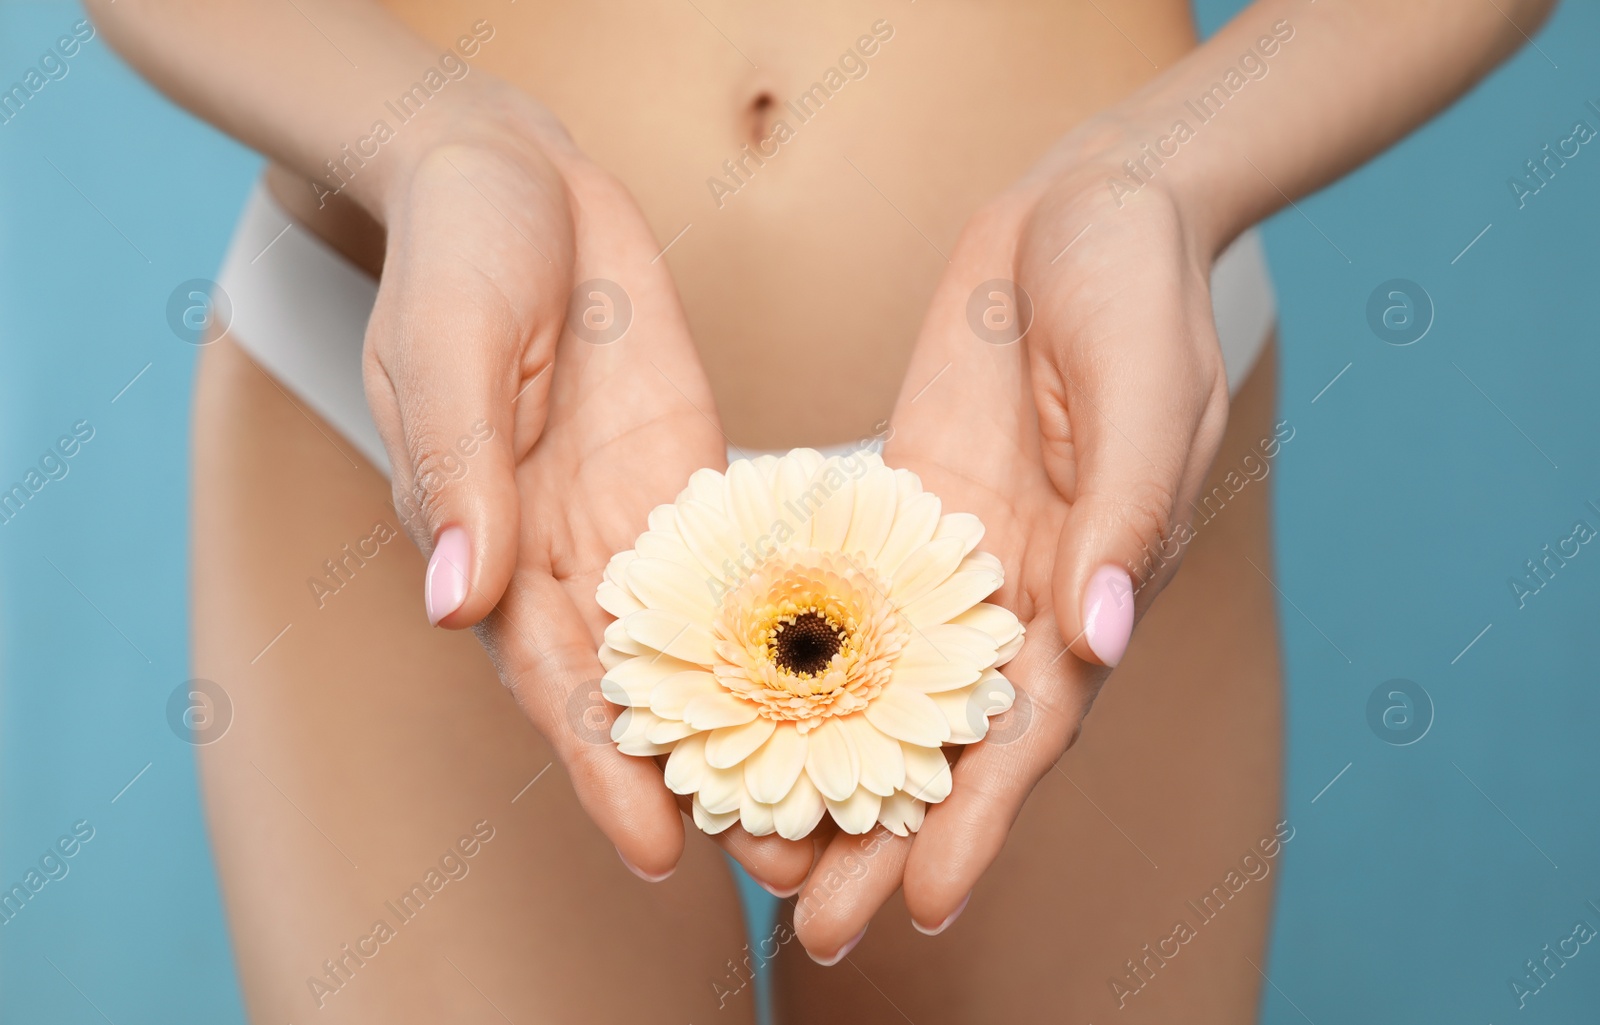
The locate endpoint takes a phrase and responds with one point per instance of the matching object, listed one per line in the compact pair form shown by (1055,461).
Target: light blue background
(1406,501)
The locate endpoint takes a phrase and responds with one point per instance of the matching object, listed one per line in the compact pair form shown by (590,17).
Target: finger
(852,879)
(963,834)
(1132,414)
(453,356)
(546,656)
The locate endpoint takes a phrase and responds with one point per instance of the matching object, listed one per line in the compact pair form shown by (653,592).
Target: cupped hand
(531,373)
(1076,416)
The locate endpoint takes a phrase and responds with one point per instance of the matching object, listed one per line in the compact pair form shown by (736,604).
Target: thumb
(1137,445)
(445,396)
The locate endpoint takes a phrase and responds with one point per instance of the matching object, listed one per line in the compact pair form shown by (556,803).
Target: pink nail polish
(1108,613)
(444,588)
(849,945)
(641,873)
(942,926)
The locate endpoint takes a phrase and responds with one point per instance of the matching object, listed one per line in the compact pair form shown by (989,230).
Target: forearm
(304,83)
(1291,95)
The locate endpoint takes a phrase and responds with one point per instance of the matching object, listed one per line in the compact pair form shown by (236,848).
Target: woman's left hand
(1080,445)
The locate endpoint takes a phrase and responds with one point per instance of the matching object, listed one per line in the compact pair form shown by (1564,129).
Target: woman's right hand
(581,407)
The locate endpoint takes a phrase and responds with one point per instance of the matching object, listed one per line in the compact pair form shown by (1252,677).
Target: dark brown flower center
(806,644)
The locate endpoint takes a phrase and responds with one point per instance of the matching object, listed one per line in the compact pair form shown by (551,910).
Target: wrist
(479,112)
(1132,156)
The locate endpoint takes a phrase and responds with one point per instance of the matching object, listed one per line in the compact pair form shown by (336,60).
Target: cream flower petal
(630,731)
(756,817)
(632,682)
(731,745)
(963,710)
(962,525)
(679,589)
(927,773)
(769,774)
(671,696)
(662,519)
(617,637)
(792,481)
(799,811)
(931,678)
(750,504)
(964,589)
(994,620)
(616,600)
(610,657)
(672,634)
(910,716)
(832,761)
(914,523)
(719,709)
(708,533)
(686,770)
(924,569)
(901,814)
(667,731)
(858,813)
(830,522)
(712,824)
(883,769)
(723,791)
(663,546)
(874,513)
(709,487)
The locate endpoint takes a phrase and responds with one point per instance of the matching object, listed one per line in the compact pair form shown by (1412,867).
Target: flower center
(805,644)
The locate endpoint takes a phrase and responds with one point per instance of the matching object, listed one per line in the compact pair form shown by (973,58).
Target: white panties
(300,310)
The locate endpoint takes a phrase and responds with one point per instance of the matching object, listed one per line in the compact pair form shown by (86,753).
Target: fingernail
(1108,613)
(942,926)
(780,894)
(444,589)
(641,873)
(850,945)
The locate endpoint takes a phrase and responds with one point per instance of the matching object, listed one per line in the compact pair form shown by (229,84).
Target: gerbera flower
(803,636)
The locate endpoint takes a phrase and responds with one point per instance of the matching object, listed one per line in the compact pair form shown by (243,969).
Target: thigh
(393,839)
(1136,883)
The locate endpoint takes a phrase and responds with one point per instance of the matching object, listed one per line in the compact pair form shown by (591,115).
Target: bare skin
(802,294)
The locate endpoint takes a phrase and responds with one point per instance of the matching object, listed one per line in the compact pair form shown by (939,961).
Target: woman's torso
(805,275)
